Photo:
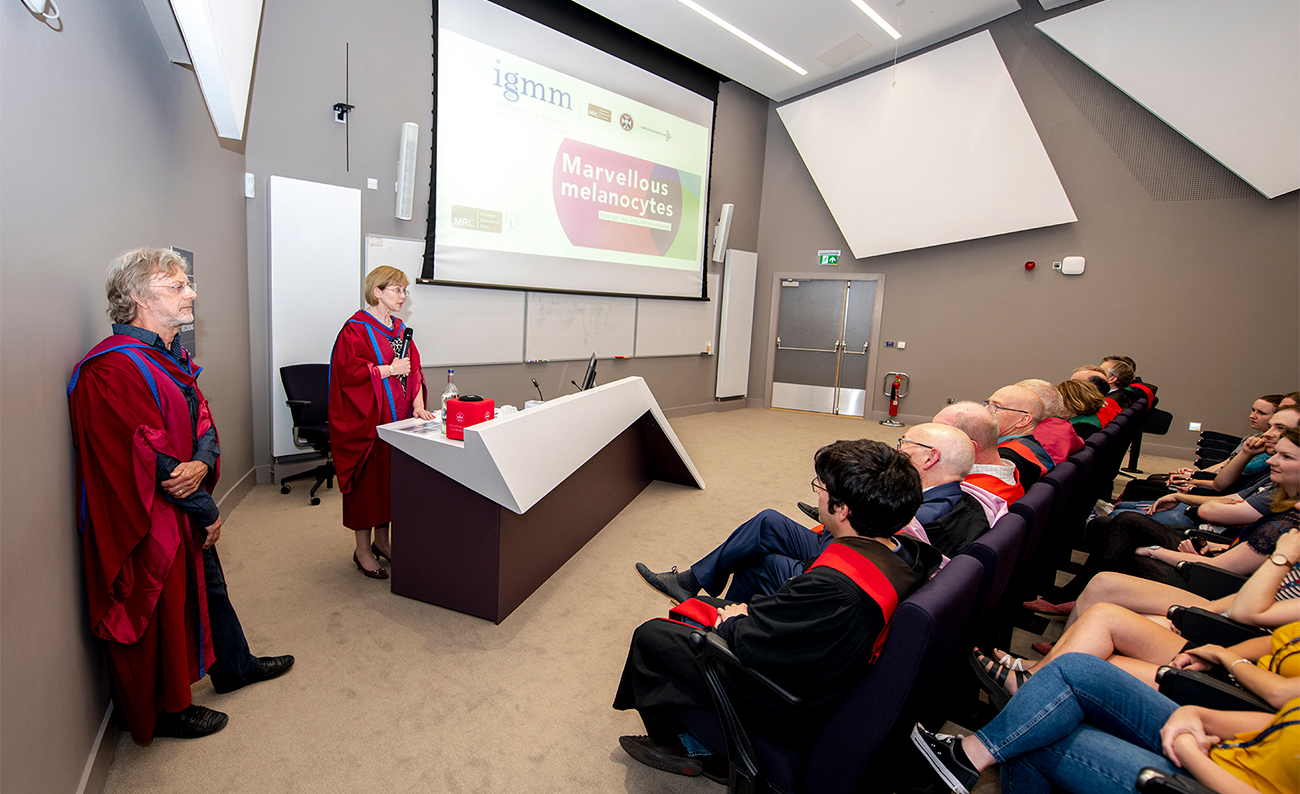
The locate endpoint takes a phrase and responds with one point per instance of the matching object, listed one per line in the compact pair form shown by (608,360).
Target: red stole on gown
(361,400)
(143,567)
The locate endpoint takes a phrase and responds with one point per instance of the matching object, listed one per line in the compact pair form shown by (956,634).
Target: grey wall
(300,75)
(107,146)
(1200,291)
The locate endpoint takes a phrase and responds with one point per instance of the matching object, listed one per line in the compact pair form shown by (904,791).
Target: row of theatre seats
(921,672)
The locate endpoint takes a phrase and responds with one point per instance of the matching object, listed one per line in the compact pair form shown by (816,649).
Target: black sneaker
(665,583)
(939,750)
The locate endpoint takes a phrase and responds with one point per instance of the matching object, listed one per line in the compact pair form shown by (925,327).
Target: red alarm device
(466,412)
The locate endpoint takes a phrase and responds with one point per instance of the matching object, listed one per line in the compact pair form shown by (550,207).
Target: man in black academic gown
(816,636)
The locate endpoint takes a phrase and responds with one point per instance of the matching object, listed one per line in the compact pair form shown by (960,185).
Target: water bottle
(449,393)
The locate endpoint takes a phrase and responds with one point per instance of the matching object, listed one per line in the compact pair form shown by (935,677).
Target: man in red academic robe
(147,460)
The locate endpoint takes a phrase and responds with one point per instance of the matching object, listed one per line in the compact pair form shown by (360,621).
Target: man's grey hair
(129,275)
(1052,403)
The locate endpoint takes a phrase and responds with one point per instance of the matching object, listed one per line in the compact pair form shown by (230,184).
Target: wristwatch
(1278,558)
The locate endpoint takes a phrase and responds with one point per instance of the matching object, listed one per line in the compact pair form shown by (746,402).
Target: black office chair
(308,387)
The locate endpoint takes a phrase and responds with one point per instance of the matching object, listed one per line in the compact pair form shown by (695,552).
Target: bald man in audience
(990,471)
(1018,411)
(769,549)
(1055,434)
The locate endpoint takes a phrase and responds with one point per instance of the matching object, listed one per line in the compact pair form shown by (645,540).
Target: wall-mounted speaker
(406,170)
(721,232)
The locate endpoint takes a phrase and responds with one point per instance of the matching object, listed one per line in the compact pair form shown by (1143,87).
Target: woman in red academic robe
(370,386)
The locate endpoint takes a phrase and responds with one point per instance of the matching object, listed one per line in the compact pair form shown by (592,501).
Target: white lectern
(479,525)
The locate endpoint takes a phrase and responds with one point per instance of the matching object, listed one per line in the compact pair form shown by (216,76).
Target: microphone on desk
(406,343)
(575,385)
(539,390)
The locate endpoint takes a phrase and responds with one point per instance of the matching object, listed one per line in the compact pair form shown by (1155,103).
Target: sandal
(993,676)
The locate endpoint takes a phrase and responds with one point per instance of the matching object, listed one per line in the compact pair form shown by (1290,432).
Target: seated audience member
(1140,646)
(1133,543)
(816,636)
(1018,411)
(1255,604)
(1137,389)
(1097,377)
(1292,398)
(1175,509)
(1089,727)
(1215,448)
(767,550)
(1054,433)
(990,471)
(1080,403)
(1120,376)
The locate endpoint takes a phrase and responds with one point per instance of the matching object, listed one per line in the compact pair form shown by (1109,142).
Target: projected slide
(549,181)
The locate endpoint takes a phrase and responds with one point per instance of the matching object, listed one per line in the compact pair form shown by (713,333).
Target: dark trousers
(1112,542)
(763,553)
(234,663)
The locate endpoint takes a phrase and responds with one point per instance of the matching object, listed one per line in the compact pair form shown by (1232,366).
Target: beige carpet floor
(396,695)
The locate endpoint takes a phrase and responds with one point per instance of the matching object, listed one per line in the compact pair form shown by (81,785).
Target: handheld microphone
(406,343)
(575,385)
(539,390)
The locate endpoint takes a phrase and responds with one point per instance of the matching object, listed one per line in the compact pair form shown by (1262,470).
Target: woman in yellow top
(1086,726)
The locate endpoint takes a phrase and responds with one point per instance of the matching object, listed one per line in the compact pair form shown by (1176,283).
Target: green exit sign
(828,257)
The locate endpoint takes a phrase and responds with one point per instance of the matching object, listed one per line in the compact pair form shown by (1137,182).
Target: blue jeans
(1175,517)
(234,663)
(763,553)
(1081,724)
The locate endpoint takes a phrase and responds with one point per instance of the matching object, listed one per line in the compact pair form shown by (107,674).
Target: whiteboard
(737,324)
(562,327)
(677,328)
(453,325)
(315,281)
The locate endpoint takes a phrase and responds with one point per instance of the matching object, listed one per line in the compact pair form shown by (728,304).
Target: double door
(823,339)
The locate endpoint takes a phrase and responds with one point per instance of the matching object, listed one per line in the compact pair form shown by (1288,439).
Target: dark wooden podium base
(460,550)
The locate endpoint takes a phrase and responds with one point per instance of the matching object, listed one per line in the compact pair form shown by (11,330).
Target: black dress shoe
(191,723)
(664,757)
(268,667)
(810,511)
(665,583)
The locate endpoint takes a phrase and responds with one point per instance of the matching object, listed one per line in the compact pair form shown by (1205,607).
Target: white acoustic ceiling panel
(1224,74)
(939,150)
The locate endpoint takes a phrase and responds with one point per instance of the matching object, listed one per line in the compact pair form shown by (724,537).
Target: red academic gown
(143,566)
(360,401)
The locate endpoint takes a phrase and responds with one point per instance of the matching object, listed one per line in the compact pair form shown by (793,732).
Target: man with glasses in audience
(147,461)
(816,636)
(769,549)
(1018,411)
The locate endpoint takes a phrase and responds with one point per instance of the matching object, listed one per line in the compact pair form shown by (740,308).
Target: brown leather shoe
(378,573)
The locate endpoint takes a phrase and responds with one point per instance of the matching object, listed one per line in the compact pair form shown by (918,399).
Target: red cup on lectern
(466,412)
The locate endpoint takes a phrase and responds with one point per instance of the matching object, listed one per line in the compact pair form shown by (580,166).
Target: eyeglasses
(400,290)
(992,406)
(899,445)
(176,289)
(817,486)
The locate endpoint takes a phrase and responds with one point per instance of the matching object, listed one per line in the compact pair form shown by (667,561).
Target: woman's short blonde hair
(384,277)
(129,276)
(1080,398)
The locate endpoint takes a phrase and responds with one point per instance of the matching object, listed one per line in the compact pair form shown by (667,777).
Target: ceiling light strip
(878,19)
(738,33)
